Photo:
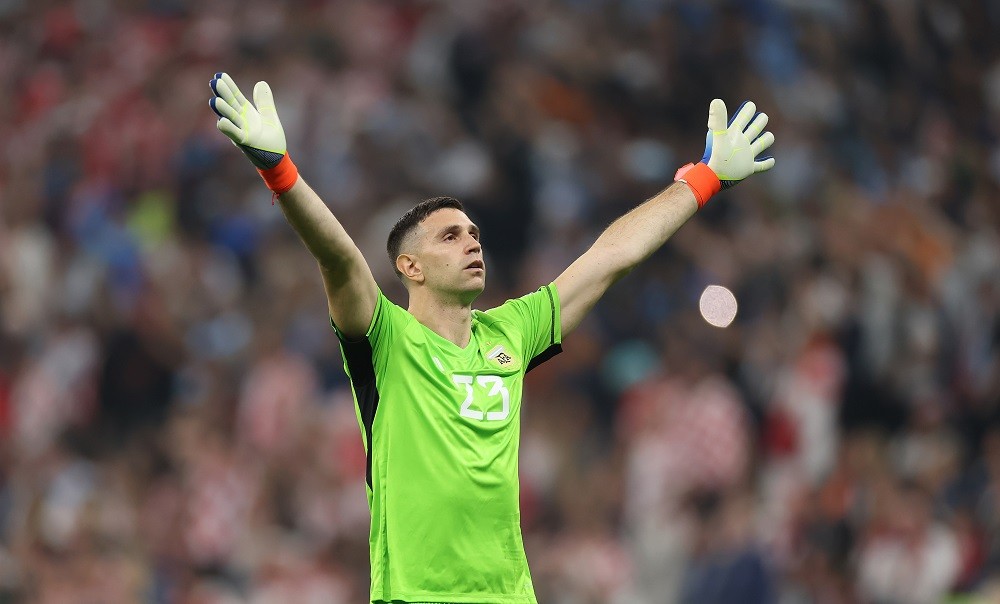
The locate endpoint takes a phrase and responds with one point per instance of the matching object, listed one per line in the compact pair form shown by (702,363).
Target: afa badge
(499,356)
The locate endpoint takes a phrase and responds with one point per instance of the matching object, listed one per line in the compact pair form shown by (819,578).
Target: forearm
(351,291)
(317,227)
(730,156)
(635,236)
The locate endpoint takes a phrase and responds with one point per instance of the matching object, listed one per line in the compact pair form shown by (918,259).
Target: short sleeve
(536,317)
(363,355)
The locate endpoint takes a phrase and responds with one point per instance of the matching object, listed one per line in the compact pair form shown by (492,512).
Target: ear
(409,266)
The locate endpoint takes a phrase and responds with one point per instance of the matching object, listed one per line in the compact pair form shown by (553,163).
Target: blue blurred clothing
(726,577)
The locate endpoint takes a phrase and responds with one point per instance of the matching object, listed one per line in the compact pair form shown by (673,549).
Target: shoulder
(493,317)
(392,309)
(545,296)
(388,320)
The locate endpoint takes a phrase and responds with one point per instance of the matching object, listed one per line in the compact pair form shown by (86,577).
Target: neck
(452,321)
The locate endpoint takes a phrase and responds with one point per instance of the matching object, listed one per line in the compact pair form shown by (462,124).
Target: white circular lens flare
(717,306)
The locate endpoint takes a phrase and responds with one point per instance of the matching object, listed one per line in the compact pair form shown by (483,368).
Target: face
(448,255)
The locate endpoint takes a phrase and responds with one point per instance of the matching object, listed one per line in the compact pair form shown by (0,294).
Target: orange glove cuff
(281,177)
(701,180)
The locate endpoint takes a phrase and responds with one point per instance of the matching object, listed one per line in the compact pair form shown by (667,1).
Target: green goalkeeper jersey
(441,426)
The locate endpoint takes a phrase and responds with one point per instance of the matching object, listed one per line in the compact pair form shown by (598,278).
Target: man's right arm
(351,292)
(255,129)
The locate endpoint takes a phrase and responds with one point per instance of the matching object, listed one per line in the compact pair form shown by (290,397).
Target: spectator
(174,421)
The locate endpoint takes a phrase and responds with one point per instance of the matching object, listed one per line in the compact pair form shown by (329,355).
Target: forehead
(444,218)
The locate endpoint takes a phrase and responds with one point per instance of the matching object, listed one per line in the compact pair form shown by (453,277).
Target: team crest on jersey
(500,356)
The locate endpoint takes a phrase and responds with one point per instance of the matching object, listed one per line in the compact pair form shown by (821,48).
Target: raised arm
(255,129)
(730,153)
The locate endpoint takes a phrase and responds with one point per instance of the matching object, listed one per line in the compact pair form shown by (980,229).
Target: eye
(449,237)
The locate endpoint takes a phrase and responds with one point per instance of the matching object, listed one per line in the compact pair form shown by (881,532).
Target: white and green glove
(255,129)
(731,151)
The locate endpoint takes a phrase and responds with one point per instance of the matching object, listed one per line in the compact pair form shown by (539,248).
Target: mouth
(476,265)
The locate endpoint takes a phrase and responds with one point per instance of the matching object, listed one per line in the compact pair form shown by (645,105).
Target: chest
(476,389)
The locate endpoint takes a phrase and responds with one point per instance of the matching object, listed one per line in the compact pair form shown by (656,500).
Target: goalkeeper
(437,386)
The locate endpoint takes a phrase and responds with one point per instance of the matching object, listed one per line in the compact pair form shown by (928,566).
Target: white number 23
(495,385)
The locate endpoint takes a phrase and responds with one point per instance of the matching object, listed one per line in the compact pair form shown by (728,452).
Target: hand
(255,130)
(731,149)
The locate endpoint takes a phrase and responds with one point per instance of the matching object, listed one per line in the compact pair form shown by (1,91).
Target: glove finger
(756,126)
(264,101)
(230,129)
(709,137)
(762,143)
(237,95)
(743,116)
(763,164)
(225,93)
(214,82)
(717,115)
(211,103)
(223,109)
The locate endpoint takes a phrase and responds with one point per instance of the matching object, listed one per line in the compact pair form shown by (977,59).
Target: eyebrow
(456,228)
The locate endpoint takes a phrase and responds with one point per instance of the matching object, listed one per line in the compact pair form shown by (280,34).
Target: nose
(473,247)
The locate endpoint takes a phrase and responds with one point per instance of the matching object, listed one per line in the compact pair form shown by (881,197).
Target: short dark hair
(408,221)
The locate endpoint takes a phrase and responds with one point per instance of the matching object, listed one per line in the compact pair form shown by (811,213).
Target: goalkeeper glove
(255,130)
(730,151)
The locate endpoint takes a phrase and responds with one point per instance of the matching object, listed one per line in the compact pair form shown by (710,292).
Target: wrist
(281,177)
(701,180)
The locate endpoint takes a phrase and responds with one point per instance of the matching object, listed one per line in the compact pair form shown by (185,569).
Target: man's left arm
(731,152)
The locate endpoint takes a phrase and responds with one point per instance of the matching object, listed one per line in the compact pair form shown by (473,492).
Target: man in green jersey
(438,385)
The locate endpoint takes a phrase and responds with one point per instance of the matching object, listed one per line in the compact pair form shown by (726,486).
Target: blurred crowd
(175,422)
